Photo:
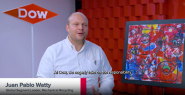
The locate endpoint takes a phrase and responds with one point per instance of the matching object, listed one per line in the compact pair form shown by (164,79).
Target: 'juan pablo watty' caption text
(91,72)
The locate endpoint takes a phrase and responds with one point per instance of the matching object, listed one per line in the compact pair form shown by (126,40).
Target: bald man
(77,54)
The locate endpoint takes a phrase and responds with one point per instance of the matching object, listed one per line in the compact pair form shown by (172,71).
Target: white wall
(15,36)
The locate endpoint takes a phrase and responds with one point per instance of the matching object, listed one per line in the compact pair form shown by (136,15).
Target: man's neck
(78,44)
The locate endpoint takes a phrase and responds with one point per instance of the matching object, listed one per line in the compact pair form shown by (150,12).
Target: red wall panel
(127,11)
(145,1)
(150,9)
(123,2)
(138,10)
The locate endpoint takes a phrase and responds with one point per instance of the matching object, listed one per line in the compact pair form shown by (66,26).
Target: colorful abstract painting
(155,52)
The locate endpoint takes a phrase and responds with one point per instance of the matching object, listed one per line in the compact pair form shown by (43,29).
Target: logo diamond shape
(31,13)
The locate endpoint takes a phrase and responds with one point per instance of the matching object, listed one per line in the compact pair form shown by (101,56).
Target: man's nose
(80,27)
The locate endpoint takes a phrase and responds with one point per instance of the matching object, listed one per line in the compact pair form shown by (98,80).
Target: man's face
(77,28)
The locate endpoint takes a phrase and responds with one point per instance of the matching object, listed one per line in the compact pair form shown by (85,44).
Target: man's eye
(76,24)
(175,42)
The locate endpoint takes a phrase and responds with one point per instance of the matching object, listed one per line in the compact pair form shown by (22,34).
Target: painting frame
(151,83)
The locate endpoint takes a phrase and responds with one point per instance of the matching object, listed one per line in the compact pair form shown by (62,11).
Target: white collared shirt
(63,56)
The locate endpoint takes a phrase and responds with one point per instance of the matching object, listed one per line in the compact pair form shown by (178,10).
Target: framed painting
(154,53)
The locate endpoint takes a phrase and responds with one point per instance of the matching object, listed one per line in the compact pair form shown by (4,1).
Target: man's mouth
(80,33)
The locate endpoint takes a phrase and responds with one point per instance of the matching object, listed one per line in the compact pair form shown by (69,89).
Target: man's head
(77,27)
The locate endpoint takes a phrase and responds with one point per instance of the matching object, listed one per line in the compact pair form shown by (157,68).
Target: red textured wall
(107,19)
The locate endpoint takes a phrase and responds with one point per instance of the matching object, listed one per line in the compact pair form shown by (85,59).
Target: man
(76,54)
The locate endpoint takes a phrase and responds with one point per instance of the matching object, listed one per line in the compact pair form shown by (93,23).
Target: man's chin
(81,39)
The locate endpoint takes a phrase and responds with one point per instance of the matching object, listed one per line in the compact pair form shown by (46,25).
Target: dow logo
(31,13)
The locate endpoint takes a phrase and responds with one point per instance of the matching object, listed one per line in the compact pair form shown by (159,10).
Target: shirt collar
(71,46)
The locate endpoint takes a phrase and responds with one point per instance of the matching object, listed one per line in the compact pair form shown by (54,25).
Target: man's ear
(67,28)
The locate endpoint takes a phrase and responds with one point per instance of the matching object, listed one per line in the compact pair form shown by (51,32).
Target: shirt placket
(79,64)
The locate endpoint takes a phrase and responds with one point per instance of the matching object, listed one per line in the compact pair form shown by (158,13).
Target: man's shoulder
(57,44)
(93,45)
(95,50)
